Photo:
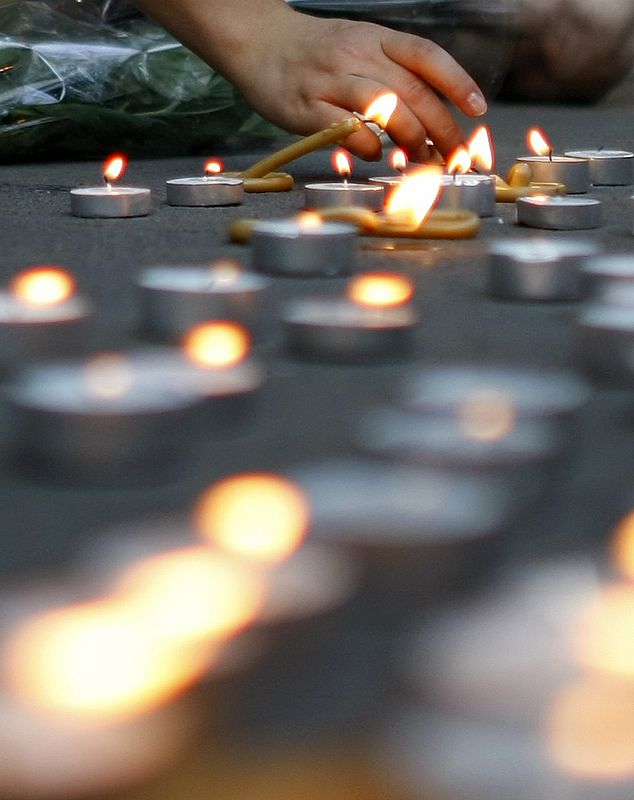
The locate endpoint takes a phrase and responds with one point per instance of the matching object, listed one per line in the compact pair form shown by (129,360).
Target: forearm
(222,33)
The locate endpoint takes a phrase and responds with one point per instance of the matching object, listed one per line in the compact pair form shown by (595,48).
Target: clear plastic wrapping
(83,78)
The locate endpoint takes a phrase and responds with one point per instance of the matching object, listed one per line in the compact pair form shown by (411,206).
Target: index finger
(435,66)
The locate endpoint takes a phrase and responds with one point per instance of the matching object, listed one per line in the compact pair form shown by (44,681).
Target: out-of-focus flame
(43,286)
(398,159)
(258,515)
(605,636)
(623,545)
(225,270)
(381,109)
(487,415)
(341,162)
(308,220)
(380,290)
(459,161)
(480,148)
(590,729)
(412,200)
(114,167)
(538,143)
(217,345)
(96,660)
(108,375)
(192,596)
(213,166)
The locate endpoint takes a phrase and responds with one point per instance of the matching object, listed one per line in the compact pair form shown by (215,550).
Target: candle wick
(108,184)
(550,155)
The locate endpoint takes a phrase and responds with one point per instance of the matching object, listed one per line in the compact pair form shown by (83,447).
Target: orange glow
(217,345)
(213,166)
(193,596)
(341,162)
(114,167)
(487,415)
(95,660)
(258,515)
(225,270)
(43,286)
(480,147)
(623,545)
(538,143)
(380,290)
(108,375)
(381,109)
(414,197)
(590,729)
(309,219)
(459,161)
(605,638)
(398,159)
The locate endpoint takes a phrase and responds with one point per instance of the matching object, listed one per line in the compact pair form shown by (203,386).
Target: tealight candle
(599,273)
(303,246)
(111,201)
(41,317)
(174,299)
(443,391)
(398,161)
(545,167)
(344,193)
(215,366)
(419,534)
(606,335)
(374,322)
(110,420)
(537,269)
(608,167)
(469,191)
(484,440)
(559,213)
(206,190)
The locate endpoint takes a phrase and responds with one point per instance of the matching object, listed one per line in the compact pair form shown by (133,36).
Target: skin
(304,73)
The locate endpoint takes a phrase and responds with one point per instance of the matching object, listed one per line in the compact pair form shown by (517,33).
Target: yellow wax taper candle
(335,133)
(438,225)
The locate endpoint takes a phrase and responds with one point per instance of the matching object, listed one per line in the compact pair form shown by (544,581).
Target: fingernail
(477,103)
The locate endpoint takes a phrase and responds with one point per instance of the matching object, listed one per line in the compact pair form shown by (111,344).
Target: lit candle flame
(43,286)
(459,161)
(108,375)
(605,636)
(341,162)
(96,660)
(381,109)
(590,729)
(213,167)
(412,200)
(225,270)
(487,415)
(193,595)
(480,147)
(261,516)
(114,167)
(380,290)
(398,159)
(622,546)
(217,345)
(308,220)
(538,143)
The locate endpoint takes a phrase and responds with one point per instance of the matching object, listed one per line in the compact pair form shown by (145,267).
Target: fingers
(437,68)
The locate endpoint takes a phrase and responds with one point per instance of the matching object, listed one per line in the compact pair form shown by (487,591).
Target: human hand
(309,72)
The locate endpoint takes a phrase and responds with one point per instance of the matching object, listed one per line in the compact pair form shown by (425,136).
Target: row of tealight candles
(528,684)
